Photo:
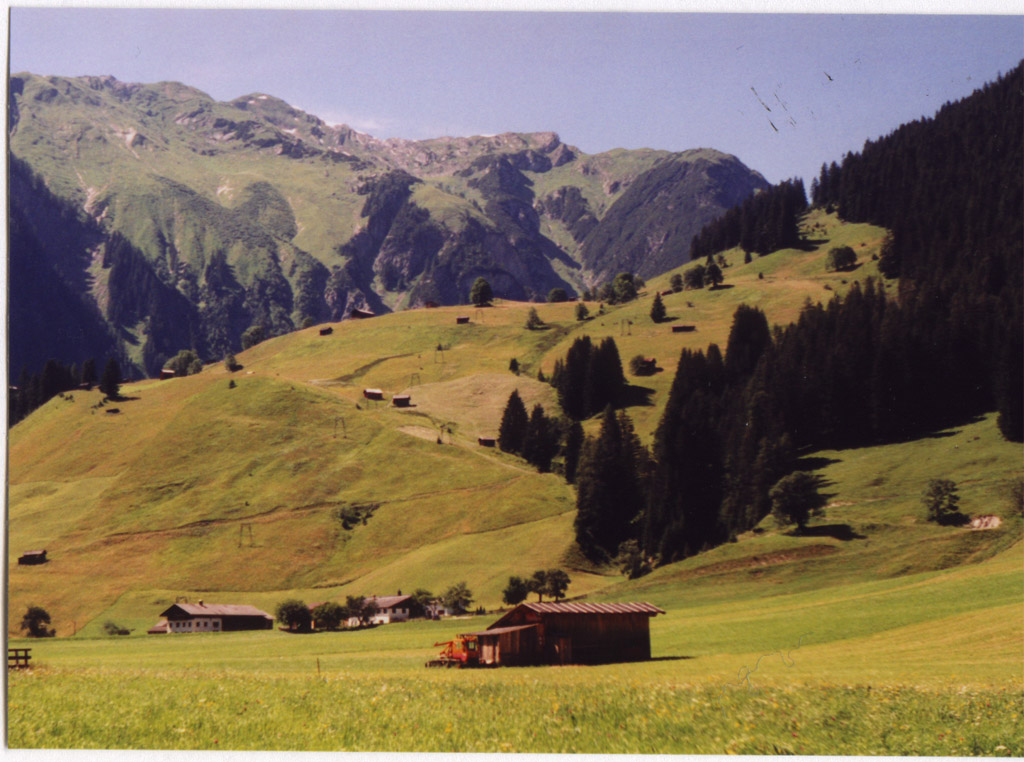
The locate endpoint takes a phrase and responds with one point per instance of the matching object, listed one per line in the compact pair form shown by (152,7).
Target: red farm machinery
(464,651)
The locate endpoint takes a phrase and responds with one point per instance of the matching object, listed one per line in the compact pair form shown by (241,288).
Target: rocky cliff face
(227,215)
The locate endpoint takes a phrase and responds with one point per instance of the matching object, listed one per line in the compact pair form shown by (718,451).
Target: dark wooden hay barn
(648,365)
(401,400)
(326,331)
(431,305)
(486,441)
(358,313)
(462,319)
(373,394)
(683,328)
(32,557)
(166,373)
(569,633)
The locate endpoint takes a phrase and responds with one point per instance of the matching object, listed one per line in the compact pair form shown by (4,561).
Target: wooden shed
(166,373)
(326,331)
(486,441)
(373,394)
(361,313)
(683,328)
(569,633)
(32,557)
(461,319)
(401,400)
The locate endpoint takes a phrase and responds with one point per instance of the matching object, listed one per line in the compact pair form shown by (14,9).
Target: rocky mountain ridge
(257,213)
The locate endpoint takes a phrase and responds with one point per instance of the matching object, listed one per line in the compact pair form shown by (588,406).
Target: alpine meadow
(647,453)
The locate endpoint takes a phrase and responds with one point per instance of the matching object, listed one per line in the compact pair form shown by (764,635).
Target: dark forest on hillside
(863,369)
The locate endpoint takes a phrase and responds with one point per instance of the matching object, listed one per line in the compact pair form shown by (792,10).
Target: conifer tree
(657,309)
(514,422)
(110,383)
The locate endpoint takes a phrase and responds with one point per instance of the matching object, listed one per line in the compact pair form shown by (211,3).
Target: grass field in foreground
(923,664)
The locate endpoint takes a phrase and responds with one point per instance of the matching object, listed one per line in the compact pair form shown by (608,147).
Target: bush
(940,500)
(676,282)
(582,313)
(840,258)
(34,623)
(639,366)
(185,363)
(558,295)
(112,628)
(481,294)
(533,321)
(231,364)
(295,615)
(457,598)
(631,560)
(516,591)
(252,336)
(795,498)
(328,616)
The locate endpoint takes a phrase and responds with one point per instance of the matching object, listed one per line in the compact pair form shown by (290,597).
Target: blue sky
(782,92)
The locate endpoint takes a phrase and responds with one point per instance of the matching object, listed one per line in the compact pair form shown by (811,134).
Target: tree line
(950,190)
(764,222)
(35,390)
(866,368)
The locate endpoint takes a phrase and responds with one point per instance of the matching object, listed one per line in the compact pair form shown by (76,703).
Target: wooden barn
(212,617)
(568,633)
(358,313)
(401,400)
(32,557)
(373,394)
(683,328)
(326,331)
(462,320)
(166,373)
(487,441)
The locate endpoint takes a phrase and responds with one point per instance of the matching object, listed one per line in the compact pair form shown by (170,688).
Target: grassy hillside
(159,500)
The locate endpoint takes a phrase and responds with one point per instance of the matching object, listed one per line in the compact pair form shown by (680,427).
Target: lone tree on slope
(110,384)
(795,498)
(481,293)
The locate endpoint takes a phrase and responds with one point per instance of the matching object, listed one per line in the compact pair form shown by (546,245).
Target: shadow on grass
(813,463)
(842,532)
(637,396)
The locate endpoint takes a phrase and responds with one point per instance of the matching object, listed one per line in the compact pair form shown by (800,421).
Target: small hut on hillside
(568,633)
(362,313)
(32,557)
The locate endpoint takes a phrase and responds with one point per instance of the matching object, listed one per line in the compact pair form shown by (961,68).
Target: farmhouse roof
(217,609)
(593,608)
(388,601)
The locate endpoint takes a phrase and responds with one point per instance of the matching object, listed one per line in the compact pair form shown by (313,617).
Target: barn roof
(500,630)
(216,609)
(593,608)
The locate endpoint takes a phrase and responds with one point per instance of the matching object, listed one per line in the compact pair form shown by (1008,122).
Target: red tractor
(464,651)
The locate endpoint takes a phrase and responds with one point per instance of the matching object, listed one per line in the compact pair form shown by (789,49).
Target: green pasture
(926,664)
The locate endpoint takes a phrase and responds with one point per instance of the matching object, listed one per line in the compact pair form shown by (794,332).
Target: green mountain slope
(198,488)
(257,213)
